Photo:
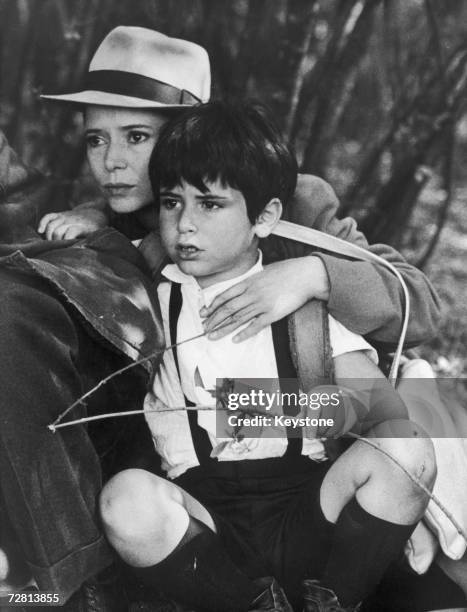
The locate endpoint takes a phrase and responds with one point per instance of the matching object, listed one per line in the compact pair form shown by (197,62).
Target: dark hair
(237,144)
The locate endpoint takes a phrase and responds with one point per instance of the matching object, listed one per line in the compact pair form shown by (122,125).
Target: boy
(232,511)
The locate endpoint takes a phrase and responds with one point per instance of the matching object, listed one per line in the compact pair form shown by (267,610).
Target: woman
(71,313)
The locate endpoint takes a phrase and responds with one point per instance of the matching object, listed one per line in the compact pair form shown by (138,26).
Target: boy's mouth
(187,251)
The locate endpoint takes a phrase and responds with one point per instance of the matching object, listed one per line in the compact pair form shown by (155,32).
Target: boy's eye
(137,137)
(168,203)
(93,141)
(210,205)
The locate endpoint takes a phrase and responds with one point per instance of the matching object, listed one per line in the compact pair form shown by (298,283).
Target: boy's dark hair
(237,143)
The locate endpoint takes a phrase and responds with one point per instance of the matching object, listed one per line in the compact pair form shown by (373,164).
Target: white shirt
(201,361)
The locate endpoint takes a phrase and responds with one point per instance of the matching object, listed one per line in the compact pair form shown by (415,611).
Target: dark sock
(199,573)
(363,547)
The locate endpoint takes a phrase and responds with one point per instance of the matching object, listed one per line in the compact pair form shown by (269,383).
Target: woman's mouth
(116,190)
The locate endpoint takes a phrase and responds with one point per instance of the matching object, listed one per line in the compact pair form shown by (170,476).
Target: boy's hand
(261,299)
(70,224)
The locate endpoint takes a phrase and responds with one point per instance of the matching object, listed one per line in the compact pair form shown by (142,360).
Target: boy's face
(207,234)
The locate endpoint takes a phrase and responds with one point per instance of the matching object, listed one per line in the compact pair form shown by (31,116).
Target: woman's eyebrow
(135,126)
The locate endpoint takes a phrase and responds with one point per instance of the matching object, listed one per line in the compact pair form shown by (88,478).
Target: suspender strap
(201,442)
(312,355)
(310,345)
(286,370)
(175,307)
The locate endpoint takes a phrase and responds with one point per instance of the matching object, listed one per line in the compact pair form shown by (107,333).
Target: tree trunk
(333,92)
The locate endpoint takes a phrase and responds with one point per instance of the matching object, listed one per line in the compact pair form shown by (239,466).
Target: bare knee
(134,503)
(380,485)
(416,455)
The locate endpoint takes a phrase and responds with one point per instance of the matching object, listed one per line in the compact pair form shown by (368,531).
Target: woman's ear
(268,218)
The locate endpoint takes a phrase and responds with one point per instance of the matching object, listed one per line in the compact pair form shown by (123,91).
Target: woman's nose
(115,158)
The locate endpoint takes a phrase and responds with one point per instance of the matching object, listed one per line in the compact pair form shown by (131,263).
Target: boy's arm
(24,196)
(81,221)
(368,399)
(364,297)
(88,217)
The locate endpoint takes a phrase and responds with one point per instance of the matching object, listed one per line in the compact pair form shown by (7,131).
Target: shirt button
(240,447)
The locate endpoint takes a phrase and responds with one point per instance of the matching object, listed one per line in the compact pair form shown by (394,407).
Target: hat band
(137,86)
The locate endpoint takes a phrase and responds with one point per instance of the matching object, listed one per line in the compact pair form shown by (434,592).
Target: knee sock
(362,549)
(199,573)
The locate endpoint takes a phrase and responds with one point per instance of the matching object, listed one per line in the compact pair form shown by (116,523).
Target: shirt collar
(173,273)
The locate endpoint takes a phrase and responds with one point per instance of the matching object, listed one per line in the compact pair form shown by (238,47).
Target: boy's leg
(170,541)
(375,508)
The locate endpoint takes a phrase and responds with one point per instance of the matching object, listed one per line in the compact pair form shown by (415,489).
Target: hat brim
(102,98)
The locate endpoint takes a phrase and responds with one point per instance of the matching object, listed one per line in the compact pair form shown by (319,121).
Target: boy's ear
(268,218)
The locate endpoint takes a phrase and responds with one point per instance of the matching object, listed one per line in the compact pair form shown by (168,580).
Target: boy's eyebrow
(169,193)
(211,196)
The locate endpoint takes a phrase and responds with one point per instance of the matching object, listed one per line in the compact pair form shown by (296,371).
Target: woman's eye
(94,141)
(137,137)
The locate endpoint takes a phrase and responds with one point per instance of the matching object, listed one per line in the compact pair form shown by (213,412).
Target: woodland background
(372,94)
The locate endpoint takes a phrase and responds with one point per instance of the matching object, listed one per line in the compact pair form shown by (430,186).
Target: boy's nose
(186,222)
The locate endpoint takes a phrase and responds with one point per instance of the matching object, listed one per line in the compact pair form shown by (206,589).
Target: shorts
(268,515)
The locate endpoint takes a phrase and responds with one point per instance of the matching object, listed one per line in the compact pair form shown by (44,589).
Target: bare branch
(300,62)
(444,208)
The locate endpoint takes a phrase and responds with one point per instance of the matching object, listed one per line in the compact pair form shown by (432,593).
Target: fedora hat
(140,68)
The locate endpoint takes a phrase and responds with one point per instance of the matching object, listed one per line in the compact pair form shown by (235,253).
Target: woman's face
(119,142)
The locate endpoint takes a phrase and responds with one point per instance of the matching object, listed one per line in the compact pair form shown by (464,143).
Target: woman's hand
(261,299)
(70,224)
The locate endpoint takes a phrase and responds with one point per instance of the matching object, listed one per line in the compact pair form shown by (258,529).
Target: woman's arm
(29,192)
(366,298)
